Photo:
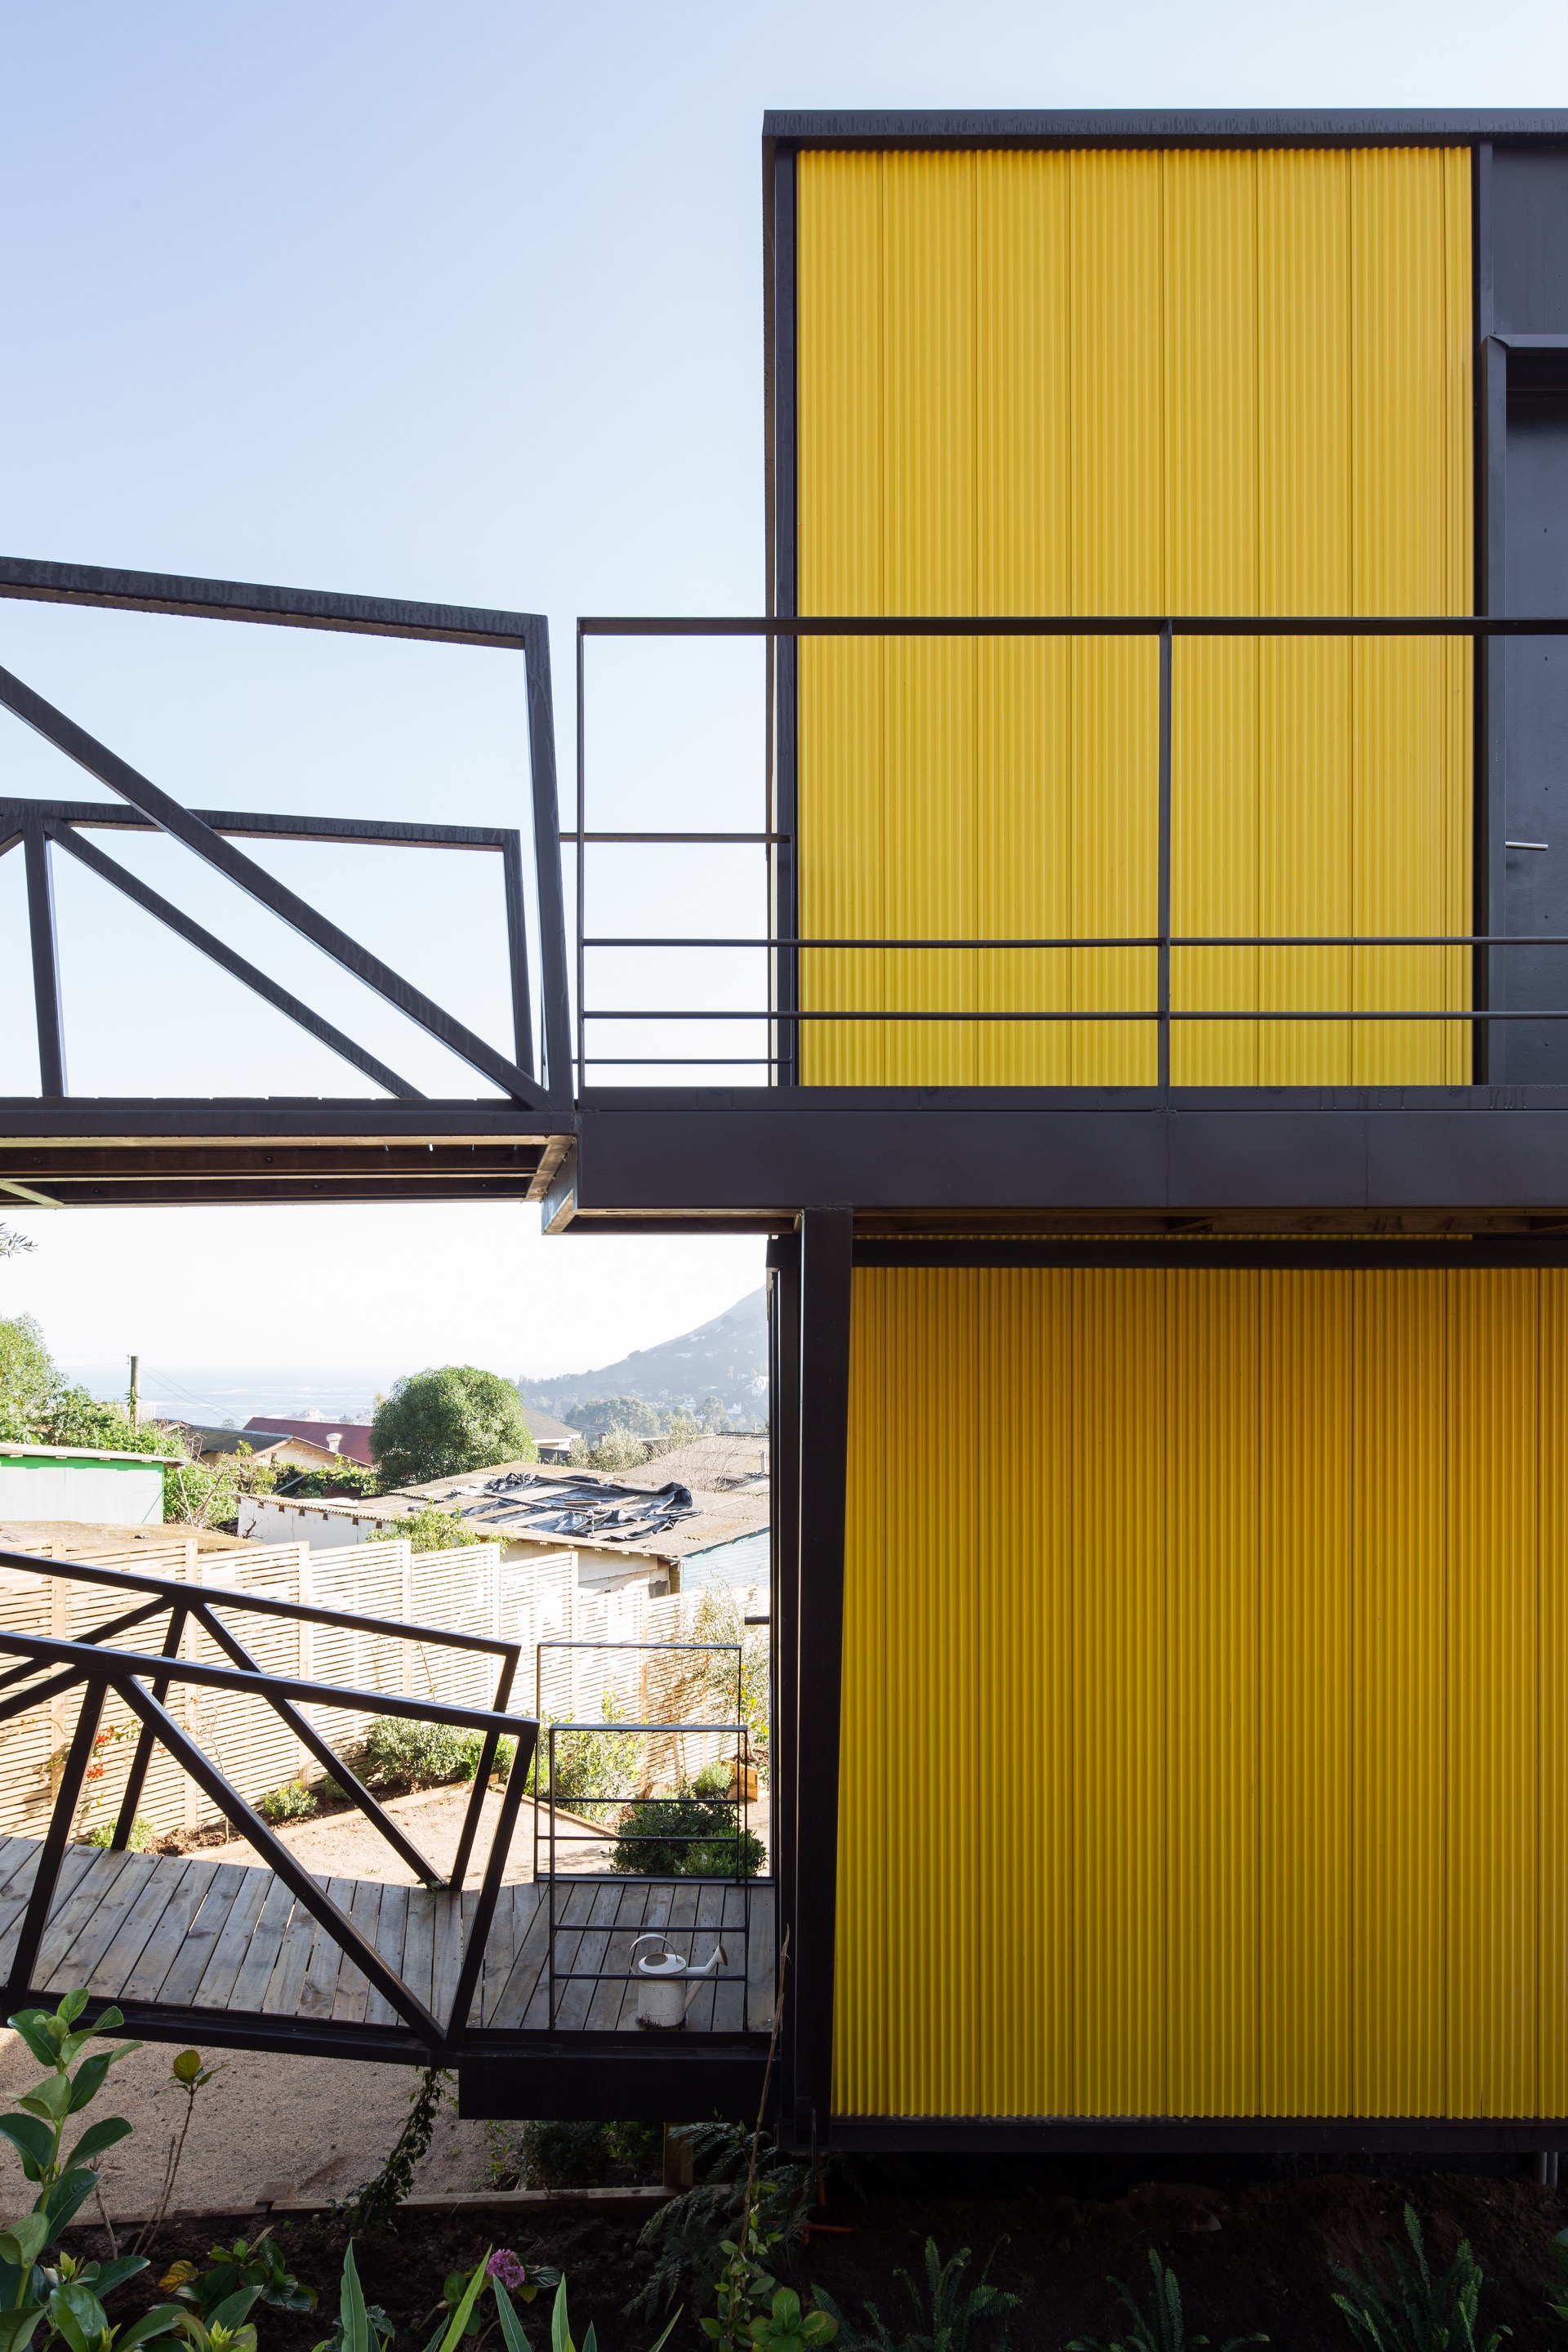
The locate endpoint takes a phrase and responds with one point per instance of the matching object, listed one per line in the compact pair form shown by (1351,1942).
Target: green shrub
(1418,2313)
(142,1835)
(562,2156)
(594,1771)
(400,1754)
(689,1835)
(636,2146)
(427,1530)
(947,2315)
(292,1802)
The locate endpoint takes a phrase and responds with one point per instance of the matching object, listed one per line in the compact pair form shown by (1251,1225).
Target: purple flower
(503,2264)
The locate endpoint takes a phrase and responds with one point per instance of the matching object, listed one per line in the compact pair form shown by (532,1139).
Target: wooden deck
(170,1937)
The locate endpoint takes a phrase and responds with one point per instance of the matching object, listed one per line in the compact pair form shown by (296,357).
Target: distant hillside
(727,1358)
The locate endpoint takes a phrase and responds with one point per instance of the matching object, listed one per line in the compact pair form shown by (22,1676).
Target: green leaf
(25,2241)
(109,2020)
(164,2320)
(30,2024)
(456,2326)
(51,2099)
(72,2008)
(350,2307)
(33,2140)
(231,2312)
(16,2327)
(67,2196)
(65,2322)
(107,2277)
(560,2328)
(591,2341)
(96,2138)
(667,2332)
(510,2325)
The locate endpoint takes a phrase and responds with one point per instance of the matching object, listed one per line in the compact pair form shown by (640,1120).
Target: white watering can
(668,1985)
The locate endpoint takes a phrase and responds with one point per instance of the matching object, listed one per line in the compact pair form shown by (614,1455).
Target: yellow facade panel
(1111,382)
(1197,1627)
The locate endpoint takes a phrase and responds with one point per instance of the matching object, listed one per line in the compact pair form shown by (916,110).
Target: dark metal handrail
(783,1016)
(141,1679)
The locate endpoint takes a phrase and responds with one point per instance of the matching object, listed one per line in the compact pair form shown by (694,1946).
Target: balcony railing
(774,1031)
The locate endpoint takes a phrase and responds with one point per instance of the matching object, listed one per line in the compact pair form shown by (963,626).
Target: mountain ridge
(726,1356)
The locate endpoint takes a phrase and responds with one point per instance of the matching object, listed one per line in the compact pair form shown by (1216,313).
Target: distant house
(553,1437)
(348,1440)
(214,1445)
(87,1485)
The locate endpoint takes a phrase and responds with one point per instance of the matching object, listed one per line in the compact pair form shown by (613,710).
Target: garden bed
(1251,2243)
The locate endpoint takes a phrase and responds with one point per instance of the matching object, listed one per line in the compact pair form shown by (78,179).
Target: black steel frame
(554,1837)
(209,834)
(141,1681)
(783,1015)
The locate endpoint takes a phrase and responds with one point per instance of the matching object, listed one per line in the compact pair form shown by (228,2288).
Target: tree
(714,1414)
(435,1424)
(631,1415)
(27,1378)
(428,1530)
(12,1244)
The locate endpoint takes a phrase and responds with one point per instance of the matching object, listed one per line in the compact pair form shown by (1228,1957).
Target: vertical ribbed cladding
(1113,381)
(1202,1636)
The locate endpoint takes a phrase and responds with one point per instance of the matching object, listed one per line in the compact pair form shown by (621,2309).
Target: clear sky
(456,302)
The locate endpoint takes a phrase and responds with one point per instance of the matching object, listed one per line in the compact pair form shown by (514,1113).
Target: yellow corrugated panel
(1201,1634)
(1109,382)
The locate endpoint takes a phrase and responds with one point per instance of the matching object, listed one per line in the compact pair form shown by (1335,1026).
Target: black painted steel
(135,1779)
(44,939)
(1191,127)
(236,600)
(826,1242)
(218,951)
(51,1854)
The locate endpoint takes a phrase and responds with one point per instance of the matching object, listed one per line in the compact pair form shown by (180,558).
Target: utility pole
(135,1391)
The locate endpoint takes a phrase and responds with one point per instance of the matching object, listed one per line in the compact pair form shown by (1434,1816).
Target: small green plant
(508,2274)
(636,2146)
(375,2206)
(143,1834)
(255,2262)
(561,2330)
(399,1754)
(690,1835)
(1160,2327)
(592,1767)
(946,2318)
(563,2154)
(292,1802)
(784,2327)
(190,2073)
(67,2296)
(1557,2288)
(688,2236)
(1418,2313)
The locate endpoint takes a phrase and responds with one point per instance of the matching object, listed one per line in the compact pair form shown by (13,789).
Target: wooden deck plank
(575,1998)
(708,1935)
(287,1981)
(509,2005)
(266,1942)
(185,1971)
(761,1973)
(391,1935)
(141,1982)
(577,1901)
(447,1932)
(604,1997)
(101,1925)
(73,1904)
(132,1937)
(654,1915)
(352,1988)
(419,1943)
(325,1961)
(500,1950)
(218,1978)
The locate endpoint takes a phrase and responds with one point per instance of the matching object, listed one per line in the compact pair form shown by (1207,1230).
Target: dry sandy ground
(269,2124)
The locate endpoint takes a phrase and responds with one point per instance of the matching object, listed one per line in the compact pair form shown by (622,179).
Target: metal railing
(140,1679)
(783,1016)
(625,1805)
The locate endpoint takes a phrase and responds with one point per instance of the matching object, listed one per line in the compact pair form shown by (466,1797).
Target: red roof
(353,1436)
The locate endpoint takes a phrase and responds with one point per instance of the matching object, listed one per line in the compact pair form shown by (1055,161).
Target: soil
(1251,2243)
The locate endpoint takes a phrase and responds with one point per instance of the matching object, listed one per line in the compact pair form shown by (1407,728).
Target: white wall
(97,1494)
